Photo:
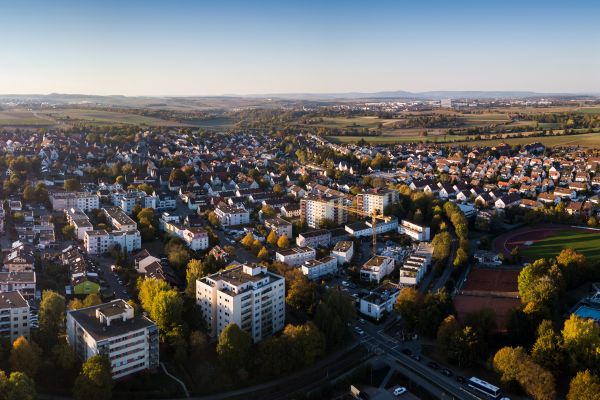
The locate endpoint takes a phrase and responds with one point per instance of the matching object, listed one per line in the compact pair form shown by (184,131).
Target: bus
(484,387)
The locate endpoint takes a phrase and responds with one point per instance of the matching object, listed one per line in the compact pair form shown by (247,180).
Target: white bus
(484,387)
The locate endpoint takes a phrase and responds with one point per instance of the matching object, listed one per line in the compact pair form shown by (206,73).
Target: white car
(359,331)
(399,391)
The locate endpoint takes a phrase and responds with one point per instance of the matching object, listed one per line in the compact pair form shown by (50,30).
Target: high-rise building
(14,316)
(113,329)
(247,295)
(315,209)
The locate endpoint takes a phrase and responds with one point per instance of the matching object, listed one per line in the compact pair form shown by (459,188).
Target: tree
(198,345)
(19,387)
(573,265)
(148,289)
(272,238)
(92,299)
(51,317)
(581,338)
(584,386)
(332,315)
(71,185)
(446,332)
(464,347)
(461,258)
(194,271)
(213,219)
(301,293)
(233,347)
(25,357)
(547,350)
(95,380)
(268,211)
(64,356)
(178,175)
(408,305)
(283,242)
(507,361)
(263,253)
(75,304)
(167,310)
(305,343)
(68,231)
(277,189)
(29,194)
(248,240)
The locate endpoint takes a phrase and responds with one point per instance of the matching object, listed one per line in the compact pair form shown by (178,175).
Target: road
(441,385)
(111,279)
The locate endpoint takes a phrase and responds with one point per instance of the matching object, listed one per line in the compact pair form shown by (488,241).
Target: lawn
(586,243)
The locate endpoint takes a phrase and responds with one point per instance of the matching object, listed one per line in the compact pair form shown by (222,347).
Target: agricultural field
(24,118)
(107,117)
(582,242)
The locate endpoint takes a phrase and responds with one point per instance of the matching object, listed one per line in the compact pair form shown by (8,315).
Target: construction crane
(375,216)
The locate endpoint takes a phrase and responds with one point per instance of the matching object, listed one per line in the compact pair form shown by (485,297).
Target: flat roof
(12,299)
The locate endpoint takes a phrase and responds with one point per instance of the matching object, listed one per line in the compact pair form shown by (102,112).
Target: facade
(376,200)
(196,238)
(113,329)
(320,237)
(101,241)
(415,231)
(247,295)
(24,282)
(315,269)
(377,268)
(296,256)
(314,209)
(14,316)
(415,267)
(231,215)
(380,301)
(79,200)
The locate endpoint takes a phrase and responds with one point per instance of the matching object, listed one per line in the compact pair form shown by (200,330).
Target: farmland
(107,117)
(23,118)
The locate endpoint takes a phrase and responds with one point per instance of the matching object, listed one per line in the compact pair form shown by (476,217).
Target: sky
(194,48)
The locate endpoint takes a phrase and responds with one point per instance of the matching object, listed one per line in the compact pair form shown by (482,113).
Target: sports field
(587,243)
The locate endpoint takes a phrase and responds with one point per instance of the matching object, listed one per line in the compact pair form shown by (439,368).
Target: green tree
(64,356)
(584,386)
(194,271)
(547,350)
(167,310)
(213,219)
(95,380)
(25,357)
(71,185)
(148,289)
(301,293)
(234,347)
(581,338)
(19,387)
(51,317)
(304,343)
(92,299)
(75,304)
(408,305)
(68,231)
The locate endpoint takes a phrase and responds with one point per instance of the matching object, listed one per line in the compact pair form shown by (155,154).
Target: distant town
(266,258)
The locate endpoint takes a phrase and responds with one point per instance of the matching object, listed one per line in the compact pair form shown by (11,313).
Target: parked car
(460,379)
(399,391)
(359,331)
(416,357)
(446,371)
(433,365)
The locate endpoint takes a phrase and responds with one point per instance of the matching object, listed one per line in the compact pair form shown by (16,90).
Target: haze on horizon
(153,48)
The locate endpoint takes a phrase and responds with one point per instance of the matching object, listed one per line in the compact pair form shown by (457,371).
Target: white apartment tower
(247,295)
(376,200)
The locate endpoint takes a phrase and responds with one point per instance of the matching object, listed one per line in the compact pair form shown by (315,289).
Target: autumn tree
(95,380)
(581,338)
(25,357)
(18,386)
(584,386)
(547,350)
(233,347)
(283,242)
(51,317)
(272,238)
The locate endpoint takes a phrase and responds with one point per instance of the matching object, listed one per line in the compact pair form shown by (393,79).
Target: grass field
(109,117)
(586,243)
(23,118)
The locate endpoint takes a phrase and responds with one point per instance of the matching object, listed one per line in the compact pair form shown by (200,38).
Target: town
(189,263)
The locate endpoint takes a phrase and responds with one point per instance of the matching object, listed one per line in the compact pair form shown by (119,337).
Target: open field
(108,117)
(587,243)
(23,118)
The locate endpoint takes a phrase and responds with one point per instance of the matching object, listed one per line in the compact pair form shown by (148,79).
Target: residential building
(79,220)
(343,251)
(247,295)
(379,302)
(376,200)
(314,209)
(415,231)
(280,226)
(118,219)
(377,268)
(415,267)
(296,255)
(129,339)
(101,241)
(14,316)
(316,238)
(231,215)
(24,282)
(196,238)
(79,200)
(315,269)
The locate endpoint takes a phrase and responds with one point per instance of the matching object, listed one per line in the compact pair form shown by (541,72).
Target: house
(415,231)
(509,200)
(296,255)
(24,282)
(279,226)
(315,269)
(114,329)
(291,210)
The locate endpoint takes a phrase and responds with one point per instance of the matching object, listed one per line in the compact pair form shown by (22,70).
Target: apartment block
(314,209)
(343,251)
(415,267)
(118,219)
(24,282)
(79,220)
(379,302)
(14,316)
(280,226)
(296,256)
(100,241)
(247,295)
(316,238)
(315,269)
(196,238)
(79,200)
(232,215)
(129,340)
(415,231)
(376,200)
(377,268)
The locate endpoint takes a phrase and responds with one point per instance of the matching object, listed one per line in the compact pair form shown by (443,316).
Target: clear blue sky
(224,47)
